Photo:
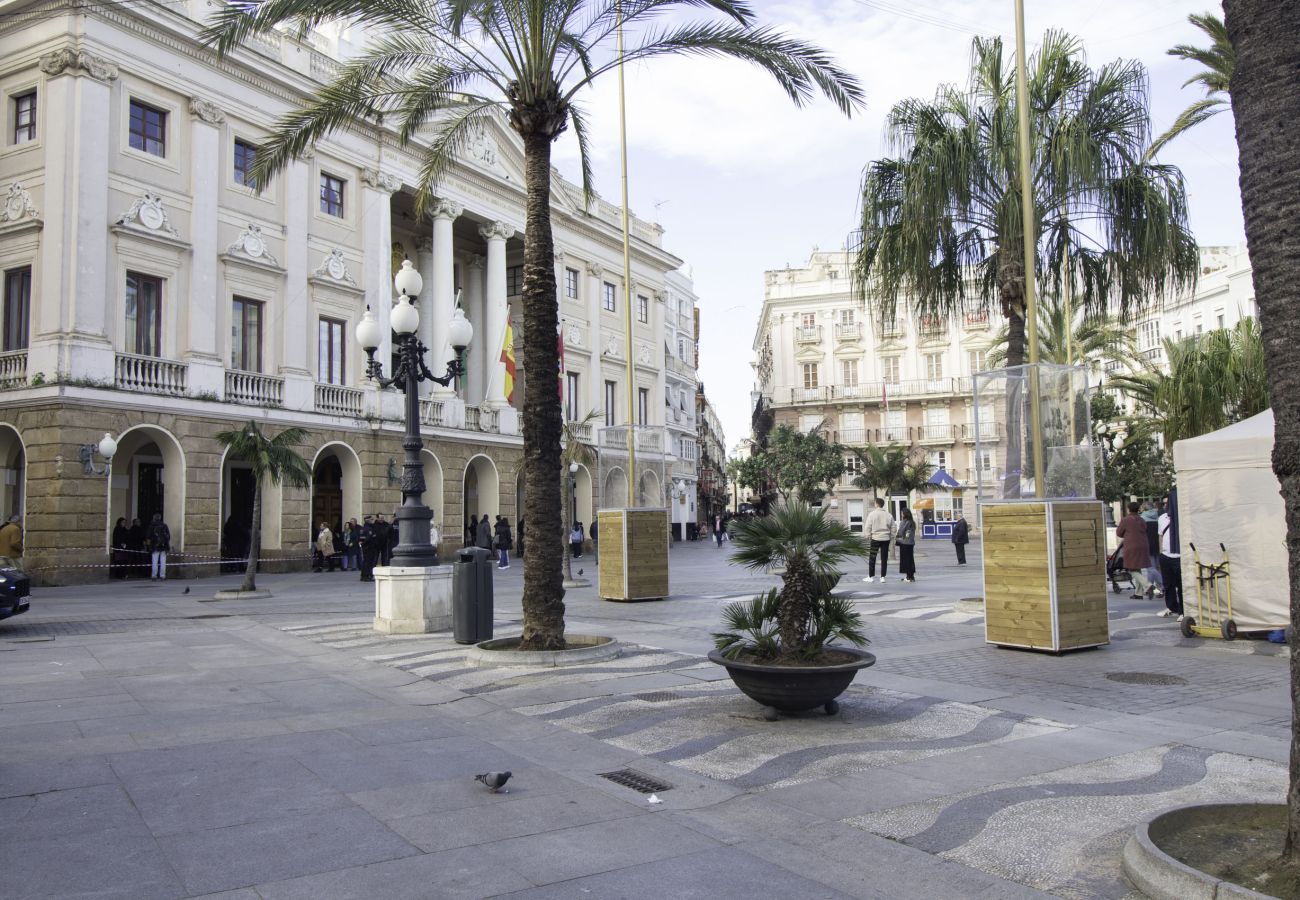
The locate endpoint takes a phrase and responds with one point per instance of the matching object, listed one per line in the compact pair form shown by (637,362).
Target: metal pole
(1030,238)
(627,275)
(412,520)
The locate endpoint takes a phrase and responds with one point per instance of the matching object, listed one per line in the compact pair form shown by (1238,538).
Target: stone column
(298,332)
(206,367)
(658,336)
(496,234)
(474,380)
(442,288)
(70,329)
(596,377)
(377,239)
(425,265)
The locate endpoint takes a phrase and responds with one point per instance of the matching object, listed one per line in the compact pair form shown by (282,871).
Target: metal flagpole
(1030,237)
(627,274)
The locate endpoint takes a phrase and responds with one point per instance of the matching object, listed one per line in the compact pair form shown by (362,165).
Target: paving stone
(369,769)
(57,815)
(461,874)
(108,864)
(428,797)
(35,775)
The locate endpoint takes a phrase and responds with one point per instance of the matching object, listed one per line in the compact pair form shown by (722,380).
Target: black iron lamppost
(413,547)
(573,494)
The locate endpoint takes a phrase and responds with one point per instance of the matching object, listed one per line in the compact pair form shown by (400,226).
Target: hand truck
(1213,600)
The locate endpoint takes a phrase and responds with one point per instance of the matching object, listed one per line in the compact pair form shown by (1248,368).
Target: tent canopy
(943,479)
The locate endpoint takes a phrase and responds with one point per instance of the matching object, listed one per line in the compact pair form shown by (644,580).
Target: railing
(848,331)
(891,329)
(809,395)
(481,418)
(808,334)
(254,389)
(338,400)
(583,431)
(853,435)
(855,392)
(985,431)
(431,412)
(935,434)
(974,320)
(149,374)
(894,434)
(13,368)
(932,325)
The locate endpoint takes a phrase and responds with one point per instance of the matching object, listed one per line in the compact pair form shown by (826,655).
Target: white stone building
(149,293)
(679,399)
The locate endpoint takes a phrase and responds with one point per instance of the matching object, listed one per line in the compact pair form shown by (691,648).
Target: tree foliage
(1219,59)
(891,470)
(801,464)
(1073,338)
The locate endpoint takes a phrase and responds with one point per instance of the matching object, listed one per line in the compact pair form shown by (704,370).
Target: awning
(924,503)
(941,478)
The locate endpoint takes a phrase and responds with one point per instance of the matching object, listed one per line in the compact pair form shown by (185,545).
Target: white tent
(1227,493)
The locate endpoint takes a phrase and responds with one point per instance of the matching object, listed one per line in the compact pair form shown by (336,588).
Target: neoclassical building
(150,293)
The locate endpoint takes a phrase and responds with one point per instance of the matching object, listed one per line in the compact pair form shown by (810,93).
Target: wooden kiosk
(633,554)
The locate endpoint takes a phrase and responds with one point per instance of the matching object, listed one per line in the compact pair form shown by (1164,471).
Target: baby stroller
(1116,573)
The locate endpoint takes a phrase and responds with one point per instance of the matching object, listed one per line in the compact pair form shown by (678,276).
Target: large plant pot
(795,688)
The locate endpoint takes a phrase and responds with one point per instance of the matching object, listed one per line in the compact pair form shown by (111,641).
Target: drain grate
(637,781)
(1145,678)
(659,697)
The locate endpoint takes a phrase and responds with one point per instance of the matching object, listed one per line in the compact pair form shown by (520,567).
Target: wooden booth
(1044,574)
(633,554)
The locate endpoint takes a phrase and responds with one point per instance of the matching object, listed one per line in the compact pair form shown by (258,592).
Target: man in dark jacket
(484,533)
(383,537)
(369,549)
(960,538)
(504,542)
(159,537)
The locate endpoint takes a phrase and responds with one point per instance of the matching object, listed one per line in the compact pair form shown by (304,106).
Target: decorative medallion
(335,267)
(251,244)
(381,181)
(74,61)
(206,111)
(595,270)
(481,147)
(148,214)
(644,354)
(17,205)
(573,337)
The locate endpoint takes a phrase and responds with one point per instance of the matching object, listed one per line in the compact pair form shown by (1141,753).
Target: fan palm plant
(1219,60)
(792,623)
(440,68)
(273,461)
(1090,339)
(576,450)
(891,470)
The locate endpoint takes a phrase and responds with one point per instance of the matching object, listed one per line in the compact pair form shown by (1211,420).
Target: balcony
(848,331)
(854,392)
(894,434)
(13,369)
(936,434)
(853,435)
(893,329)
(582,431)
(254,389)
(431,413)
(985,431)
(809,395)
(481,418)
(933,326)
(150,374)
(337,400)
(808,334)
(974,321)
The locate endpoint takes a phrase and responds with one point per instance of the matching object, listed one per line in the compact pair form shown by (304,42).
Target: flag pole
(1030,239)
(627,274)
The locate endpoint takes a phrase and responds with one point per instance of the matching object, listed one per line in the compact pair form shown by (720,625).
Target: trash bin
(471,596)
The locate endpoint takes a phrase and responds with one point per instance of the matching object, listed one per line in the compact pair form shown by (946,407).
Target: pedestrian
(383,538)
(350,556)
(366,540)
(159,538)
(960,538)
(324,548)
(484,537)
(135,549)
(434,536)
(11,543)
(906,545)
(1151,516)
(880,530)
(1132,530)
(117,559)
(591,532)
(1171,561)
(575,540)
(504,542)
(717,530)
(394,536)
(471,532)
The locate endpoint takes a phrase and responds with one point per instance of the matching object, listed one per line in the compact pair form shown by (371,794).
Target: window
(611,402)
(810,422)
(855,513)
(143,314)
(25,117)
(978,359)
(331,194)
(148,129)
(852,466)
(895,425)
(984,461)
(17,309)
(642,309)
(571,396)
(807,320)
(683,309)
(889,369)
(514,281)
(246,335)
(810,375)
(607,297)
(938,459)
(849,372)
(330,352)
(643,406)
(936,417)
(933,366)
(1149,334)
(245,153)
(571,283)
(846,316)
(1219,317)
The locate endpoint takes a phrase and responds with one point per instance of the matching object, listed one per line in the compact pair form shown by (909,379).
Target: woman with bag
(504,542)
(906,540)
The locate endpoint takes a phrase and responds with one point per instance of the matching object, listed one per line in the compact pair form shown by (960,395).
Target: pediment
(809,354)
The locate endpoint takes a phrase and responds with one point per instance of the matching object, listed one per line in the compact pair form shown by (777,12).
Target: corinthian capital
(77,62)
(442,208)
(380,181)
(595,270)
(206,111)
(496,231)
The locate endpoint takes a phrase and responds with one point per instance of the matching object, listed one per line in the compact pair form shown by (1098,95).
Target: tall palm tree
(891,470)
(440,68)
(576,450)
(273,460)
(1091,339)
(1218,59)
(1266,106)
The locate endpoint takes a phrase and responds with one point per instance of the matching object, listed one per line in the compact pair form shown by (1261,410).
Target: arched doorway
(148,477)
(586,512)
(649,492)
(433,489)
(613,493)
(482,489)
(13,473)
(335,487)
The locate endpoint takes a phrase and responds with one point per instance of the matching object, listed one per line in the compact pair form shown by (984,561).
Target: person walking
(880,530)
(471,532)
(1171,561)
(11,543)
(906,545)
(484,537)
(118,557)
(367,541)
(324,548)
(960,538)
(383,537)
(159,538)
(135,549)
(1151,516)
(575,540)
(1132,530)
(717,530)
(505,541)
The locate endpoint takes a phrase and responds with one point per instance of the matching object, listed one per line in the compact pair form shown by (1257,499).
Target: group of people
(359,547)
(140,549)
(480,532)
(882,531)
(1151,553)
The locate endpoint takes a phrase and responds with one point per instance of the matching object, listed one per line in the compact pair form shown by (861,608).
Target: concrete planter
(795,688)
(582,649)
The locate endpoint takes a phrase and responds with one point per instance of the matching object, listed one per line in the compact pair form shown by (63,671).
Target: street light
(413,548)
(106,447)
(573,494)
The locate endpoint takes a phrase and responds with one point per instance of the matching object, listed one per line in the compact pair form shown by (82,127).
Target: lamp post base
(412,599)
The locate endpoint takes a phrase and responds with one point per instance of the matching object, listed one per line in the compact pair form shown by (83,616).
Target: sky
(743,181)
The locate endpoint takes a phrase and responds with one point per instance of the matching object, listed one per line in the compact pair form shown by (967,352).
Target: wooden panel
(1081,598)
(611,554)
(647,554)
(1017,595)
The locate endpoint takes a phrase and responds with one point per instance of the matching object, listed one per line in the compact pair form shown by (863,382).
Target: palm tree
(1090,340)
(1218,59)
(1266,106)
(271,459)
(576,450)
(441,68)
(890,469)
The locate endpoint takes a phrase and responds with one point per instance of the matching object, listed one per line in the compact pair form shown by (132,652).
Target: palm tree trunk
(796,605)
(255,542)
(1011,292)
(543,600)
(1266,104)
(567,547)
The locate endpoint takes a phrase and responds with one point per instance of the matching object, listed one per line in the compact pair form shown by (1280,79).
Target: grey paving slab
(369,769)
(404,731)
(272,850)
(35,775)
(58,815)
(430,797)
(245,752)
(107,864)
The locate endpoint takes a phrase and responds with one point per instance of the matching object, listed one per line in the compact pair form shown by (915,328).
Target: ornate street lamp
(413,547)
(107,447)
(573,494)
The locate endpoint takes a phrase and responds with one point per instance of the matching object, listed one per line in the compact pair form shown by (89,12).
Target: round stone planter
(1162,877)
(582,649)
(242,595)
(795,688)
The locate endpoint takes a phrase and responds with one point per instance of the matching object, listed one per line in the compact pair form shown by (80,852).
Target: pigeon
(494,780)
(579,571)
(186,591)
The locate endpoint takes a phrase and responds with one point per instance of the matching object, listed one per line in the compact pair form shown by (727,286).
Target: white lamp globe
(459,332)
(573,468)
(107,446)
(408,280)
(369,335)
(405,320)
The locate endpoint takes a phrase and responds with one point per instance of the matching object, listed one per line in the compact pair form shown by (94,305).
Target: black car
(14,590)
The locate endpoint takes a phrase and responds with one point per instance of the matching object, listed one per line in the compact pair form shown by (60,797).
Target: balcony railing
(985,431)
(848,331)
(808,334)
(431,412)
(13,368)
(892,329)
(254,389)
(809,395)
(481,418)
(975,320)
(338,400)
(582,431)
(150,374)
(933,325)
(853,435)
(936,434)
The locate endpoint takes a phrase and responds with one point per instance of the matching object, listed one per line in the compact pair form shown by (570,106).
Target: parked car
(15,588)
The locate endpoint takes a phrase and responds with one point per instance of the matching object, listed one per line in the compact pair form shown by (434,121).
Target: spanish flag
(508,359)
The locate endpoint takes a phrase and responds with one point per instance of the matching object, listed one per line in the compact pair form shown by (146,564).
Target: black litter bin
(471,596)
